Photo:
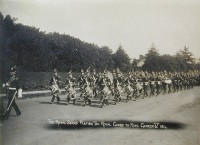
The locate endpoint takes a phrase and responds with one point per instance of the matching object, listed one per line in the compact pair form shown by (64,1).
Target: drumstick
(11,101)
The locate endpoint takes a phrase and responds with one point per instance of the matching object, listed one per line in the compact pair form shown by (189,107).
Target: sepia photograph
(99,72)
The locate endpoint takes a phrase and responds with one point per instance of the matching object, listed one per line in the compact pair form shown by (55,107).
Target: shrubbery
(40,80)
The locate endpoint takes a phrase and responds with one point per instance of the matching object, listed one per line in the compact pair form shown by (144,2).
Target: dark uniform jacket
(13,85)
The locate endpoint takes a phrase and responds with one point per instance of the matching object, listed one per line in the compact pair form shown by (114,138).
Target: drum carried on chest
(106,90)
(88,90)
(71,90)
(129,88)
(168,81)
(54,88)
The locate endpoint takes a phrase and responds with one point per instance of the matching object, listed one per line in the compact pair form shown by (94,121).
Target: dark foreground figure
(12,92)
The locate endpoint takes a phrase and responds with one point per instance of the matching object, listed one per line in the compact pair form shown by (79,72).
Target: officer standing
(12,87)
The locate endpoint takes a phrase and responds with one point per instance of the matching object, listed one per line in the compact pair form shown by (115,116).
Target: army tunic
(12,87)
(152,85)
(55,81)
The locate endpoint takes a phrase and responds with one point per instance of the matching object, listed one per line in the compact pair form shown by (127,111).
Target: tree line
(35,50)
(183,60)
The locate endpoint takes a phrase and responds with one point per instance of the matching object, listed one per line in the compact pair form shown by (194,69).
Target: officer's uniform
(12,87)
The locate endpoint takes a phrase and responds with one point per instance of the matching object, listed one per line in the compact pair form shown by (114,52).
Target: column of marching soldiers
(106,88)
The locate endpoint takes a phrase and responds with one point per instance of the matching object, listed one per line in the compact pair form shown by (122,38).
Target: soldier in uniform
(54,86)
(81,80)
(70,88)
(164,84)
(105,88)
(116,83)
(93,82)
(12,87)
(158,84)
(129,81)
(107,80)
(145,81)
(178,82)
(152,84)
(170,84)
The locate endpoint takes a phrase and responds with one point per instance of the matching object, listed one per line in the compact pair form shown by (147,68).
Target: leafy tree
(35,50)
(184,59)
(121,59)
(152,58)
(134,64)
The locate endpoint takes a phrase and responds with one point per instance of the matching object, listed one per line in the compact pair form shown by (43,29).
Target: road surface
(31,127)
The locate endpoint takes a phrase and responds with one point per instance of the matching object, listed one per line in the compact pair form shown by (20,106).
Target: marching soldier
(158,84)
(54,82)
(170,84)
(70,88)
(116,92)
(128,86)
(12,88)
(93,82)
(87,74)
(107,80)
(82,80)
(174,82)
(178,82)
(152,84)
(145,81)
(164,84)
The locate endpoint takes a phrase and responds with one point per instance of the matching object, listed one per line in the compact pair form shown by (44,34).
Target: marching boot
(18,114)
(107,102)
(67,101)
(58,99)
(74,101)
(89,102)
(5,116)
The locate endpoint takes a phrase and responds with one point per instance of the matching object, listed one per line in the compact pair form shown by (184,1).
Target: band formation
(107,88)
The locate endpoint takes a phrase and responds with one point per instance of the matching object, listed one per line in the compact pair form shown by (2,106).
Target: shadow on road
(43,102)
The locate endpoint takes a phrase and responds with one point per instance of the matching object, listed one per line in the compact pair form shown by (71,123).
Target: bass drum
(168,81)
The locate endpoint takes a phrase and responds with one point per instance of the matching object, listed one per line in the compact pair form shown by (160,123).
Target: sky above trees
(134,24)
